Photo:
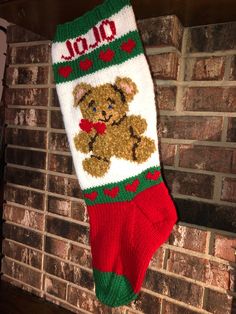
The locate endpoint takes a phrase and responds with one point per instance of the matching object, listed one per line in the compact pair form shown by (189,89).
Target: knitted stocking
(106,96)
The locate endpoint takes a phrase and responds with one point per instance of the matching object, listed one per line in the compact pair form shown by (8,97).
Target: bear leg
(96,166)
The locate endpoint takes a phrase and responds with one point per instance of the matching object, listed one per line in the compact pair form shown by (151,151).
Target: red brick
(205,158)
(21,253)
(55,100)
(210,99)
(86,301)
(164,66)
(23,157)
(24,197)
(22,273)
(64,186)
(69,272)
(233,69)
(165,97)
(59,141)
(26,138)
(171,308)
(80,256)
(146,303)
(26,117)
(79,211)
(25,177)
(59,206)
(234,162)
(193,128)
(167,154)
(228,192)
(193,184)
(60,163)
(27,75)
(30,54)
(218,303)
(158,258)
(68,230)
(170,31)
(190,238)
(16,34)
(174,288)
(23,216)
(205,69)
(231,132)
(26,97)
(22,235)
(55,287)
(56,247)
(212,37)
(57,120)
(225,247)
(200,269)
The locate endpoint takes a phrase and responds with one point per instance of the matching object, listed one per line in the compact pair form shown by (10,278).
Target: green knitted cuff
(82,24)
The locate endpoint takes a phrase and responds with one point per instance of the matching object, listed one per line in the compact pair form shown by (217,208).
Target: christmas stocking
(107,100)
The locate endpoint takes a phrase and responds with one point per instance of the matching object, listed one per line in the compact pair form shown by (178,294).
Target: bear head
(106,103)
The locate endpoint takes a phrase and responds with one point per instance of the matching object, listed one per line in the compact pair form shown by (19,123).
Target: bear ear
(80,91)
(127,86)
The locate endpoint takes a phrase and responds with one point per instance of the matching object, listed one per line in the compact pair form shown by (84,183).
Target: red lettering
(96,36)
(84,45)
(103,31)
(70,49)
(106,31)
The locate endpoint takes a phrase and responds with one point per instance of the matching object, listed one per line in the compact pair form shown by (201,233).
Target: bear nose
(104,113)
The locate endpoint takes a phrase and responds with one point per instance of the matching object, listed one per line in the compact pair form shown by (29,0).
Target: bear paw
(96,166)
(144,149)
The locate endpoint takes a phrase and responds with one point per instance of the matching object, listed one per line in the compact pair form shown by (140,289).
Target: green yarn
(97,63)
(112,289)
(82,24)
(123,194)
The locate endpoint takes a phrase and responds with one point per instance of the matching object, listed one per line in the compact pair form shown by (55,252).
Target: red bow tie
(87,126)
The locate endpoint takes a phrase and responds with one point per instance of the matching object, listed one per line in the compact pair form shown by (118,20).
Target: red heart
(106,55)
(153,176)
(112,192)
(129,45)
(85,64)
(100,127)
(132,187)
(86,125)
(65,71)
(91,196)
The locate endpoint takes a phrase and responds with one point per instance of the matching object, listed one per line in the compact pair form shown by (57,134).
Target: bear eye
(94,109)
(110,107)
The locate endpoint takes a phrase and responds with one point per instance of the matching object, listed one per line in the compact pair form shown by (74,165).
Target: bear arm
(138,124)
(82,141)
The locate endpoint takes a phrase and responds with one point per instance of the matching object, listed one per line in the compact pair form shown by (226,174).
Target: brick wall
(46,231)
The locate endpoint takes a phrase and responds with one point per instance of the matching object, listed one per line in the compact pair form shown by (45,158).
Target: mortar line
(218,187)
(46,181)
(225,128)
(30,43)
(21,283)
(174,301)
(198,142)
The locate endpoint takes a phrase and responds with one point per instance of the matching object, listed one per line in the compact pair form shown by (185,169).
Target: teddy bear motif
(106,129)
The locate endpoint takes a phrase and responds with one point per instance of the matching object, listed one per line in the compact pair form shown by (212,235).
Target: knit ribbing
(83,23)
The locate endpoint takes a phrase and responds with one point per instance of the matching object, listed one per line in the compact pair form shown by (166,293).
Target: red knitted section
(125,235)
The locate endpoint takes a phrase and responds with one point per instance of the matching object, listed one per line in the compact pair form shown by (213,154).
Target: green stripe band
(84,23)
(123,48)
(124,190)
